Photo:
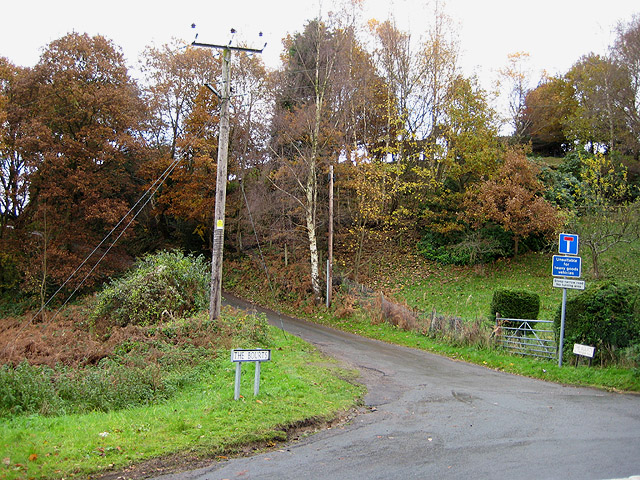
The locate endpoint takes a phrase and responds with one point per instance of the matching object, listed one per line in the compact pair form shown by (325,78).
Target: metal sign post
(562,317)
(566,266)
(256,356)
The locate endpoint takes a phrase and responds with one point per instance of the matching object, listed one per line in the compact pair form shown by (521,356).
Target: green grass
(204,420)
(608,378)
(467,292)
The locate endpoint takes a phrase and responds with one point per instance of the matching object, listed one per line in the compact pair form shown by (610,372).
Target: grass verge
(458,291)
(203,420)
(608,378)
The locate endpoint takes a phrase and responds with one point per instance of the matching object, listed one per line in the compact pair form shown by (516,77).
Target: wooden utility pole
(330,247)
(221,192)
(221,178)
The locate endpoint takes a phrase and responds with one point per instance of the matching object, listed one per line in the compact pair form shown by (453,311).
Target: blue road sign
(568,244)
(566,266)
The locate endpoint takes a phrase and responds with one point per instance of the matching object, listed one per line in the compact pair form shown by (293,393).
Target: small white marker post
(256,356)
(583,351)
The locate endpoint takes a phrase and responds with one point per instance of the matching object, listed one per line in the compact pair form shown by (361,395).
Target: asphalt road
(430,417)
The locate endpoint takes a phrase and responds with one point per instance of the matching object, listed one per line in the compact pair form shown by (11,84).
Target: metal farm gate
(520,337)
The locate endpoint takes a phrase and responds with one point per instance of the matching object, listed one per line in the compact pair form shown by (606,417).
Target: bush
(28,389)
(606,316)
(164,284)
(515,304)
(9,274)
(481,246)
(630,357)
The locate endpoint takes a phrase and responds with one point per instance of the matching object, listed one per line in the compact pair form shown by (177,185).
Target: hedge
(515,304)
(605,316)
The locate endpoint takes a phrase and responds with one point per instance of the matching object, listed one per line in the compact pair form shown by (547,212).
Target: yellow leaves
(603,181)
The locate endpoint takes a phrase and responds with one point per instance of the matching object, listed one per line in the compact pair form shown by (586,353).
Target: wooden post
(221,192)
(330,247)
(221,178)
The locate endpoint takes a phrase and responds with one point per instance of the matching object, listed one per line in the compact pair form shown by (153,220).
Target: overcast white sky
(554,32)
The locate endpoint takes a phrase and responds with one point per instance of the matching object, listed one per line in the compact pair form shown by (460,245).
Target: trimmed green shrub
(515,304)
(168,284)
(606,316)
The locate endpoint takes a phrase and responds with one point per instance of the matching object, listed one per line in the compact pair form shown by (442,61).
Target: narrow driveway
(431,418)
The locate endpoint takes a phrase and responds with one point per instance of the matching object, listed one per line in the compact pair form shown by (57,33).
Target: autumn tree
(422,77)
(305,123)
(397,63)
(471,154)
(469,134)
(82,146)
(180,85)
(516,76)
(173,75)
(13,185)
(607,217)
(368,185)
(419,75)
(626,53)
(598,121)
(607,226)
(546,109)
(252,107)
(513,200)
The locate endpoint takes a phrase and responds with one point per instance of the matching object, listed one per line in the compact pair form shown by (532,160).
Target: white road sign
(568,283)
(584,350)
(250,355)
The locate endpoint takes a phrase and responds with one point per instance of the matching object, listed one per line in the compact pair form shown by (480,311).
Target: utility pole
(221,178)
(330,247)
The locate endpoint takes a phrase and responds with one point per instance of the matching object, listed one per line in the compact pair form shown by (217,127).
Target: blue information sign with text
(566,266)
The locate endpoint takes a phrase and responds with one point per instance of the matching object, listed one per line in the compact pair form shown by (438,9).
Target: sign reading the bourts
(257,356)
(250,355)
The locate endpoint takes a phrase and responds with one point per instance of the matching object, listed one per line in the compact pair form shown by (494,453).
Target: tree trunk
(311,186)
(594,259)
(310,217)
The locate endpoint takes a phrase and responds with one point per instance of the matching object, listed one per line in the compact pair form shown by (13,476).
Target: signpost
(568,264)
(583,351)
(256,356)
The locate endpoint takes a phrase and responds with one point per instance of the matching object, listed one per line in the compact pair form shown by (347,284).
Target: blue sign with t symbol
(568,244)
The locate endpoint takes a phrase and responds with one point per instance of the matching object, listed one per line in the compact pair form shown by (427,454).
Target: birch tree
(328,105)
(302,126)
